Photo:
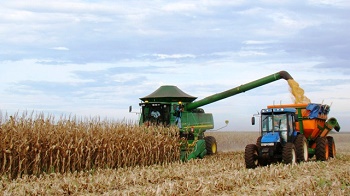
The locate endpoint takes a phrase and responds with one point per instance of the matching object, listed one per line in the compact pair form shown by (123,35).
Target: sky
(89,58)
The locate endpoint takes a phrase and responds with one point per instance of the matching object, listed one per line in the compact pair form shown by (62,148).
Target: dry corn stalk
(37,144)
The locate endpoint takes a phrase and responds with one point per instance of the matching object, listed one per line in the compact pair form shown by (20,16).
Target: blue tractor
(277,140)
(292,133)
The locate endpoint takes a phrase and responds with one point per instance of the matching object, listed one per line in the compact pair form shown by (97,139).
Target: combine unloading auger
(239,89)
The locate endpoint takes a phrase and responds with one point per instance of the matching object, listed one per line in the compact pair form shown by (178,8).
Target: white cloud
(179,7)
(259,42)
(253,11)
(174,56)
(251,53)
(60,48)
(38,70)
(337,3)
(291,20)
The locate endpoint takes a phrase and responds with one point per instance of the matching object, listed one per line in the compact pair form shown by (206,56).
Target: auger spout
(240,89)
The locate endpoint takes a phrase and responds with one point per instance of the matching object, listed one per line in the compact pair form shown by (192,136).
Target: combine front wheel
(331,147)
(289,154)
(210,145)
(322,149)
(251,156)
(301,148)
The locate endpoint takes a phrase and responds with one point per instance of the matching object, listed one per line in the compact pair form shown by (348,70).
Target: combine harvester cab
(293,133)
(166,107)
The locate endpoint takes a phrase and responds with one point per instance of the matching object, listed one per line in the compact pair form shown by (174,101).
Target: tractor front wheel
(289,154)
(301,148)
(258,141)
(322,149)
(331,147)
(210,145)
(251,156)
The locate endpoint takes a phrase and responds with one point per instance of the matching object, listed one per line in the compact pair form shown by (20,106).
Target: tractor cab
(277,126)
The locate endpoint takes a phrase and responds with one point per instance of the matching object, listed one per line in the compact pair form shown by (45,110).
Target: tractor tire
(331,147)
(289,153)
(322,149)
(301,148)
(211,145)
(251,156)
(262,160)
(258,141)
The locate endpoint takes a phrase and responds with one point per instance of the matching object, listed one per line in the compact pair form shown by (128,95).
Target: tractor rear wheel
(322,149)
(331,147)
(301,148)
(289,154)
(210,145)
(251,156)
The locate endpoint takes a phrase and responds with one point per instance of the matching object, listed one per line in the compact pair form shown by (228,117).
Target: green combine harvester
(169,105)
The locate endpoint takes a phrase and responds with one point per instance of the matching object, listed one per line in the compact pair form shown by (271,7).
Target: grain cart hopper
(292,133)
(161,106)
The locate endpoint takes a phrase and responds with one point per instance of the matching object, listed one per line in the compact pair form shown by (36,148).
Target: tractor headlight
(268,144)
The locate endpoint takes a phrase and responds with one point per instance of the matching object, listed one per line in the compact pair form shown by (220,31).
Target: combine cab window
(156,114)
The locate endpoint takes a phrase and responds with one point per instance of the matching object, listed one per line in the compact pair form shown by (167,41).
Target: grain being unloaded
(297,92)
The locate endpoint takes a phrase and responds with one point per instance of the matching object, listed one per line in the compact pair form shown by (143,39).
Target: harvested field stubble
(232,140)
(222,174)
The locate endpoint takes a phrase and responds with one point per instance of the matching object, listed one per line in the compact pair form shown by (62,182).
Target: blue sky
(95,58)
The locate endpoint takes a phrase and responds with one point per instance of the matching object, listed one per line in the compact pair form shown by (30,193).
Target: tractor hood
(270,137)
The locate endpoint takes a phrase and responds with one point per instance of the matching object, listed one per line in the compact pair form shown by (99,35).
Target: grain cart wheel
(210,145)
(331,147)
(289,154)
(301,148)
(322,149)
(251,156)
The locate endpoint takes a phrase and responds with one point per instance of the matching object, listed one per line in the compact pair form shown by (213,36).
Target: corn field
(43,156)
(220,174)
(32,144)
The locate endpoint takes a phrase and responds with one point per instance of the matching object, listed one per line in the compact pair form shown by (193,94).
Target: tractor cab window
(276,122)
(266,123)
(156,114)
(281,121)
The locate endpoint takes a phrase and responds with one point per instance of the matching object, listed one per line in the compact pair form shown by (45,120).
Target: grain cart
(292,133)
(163,105)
